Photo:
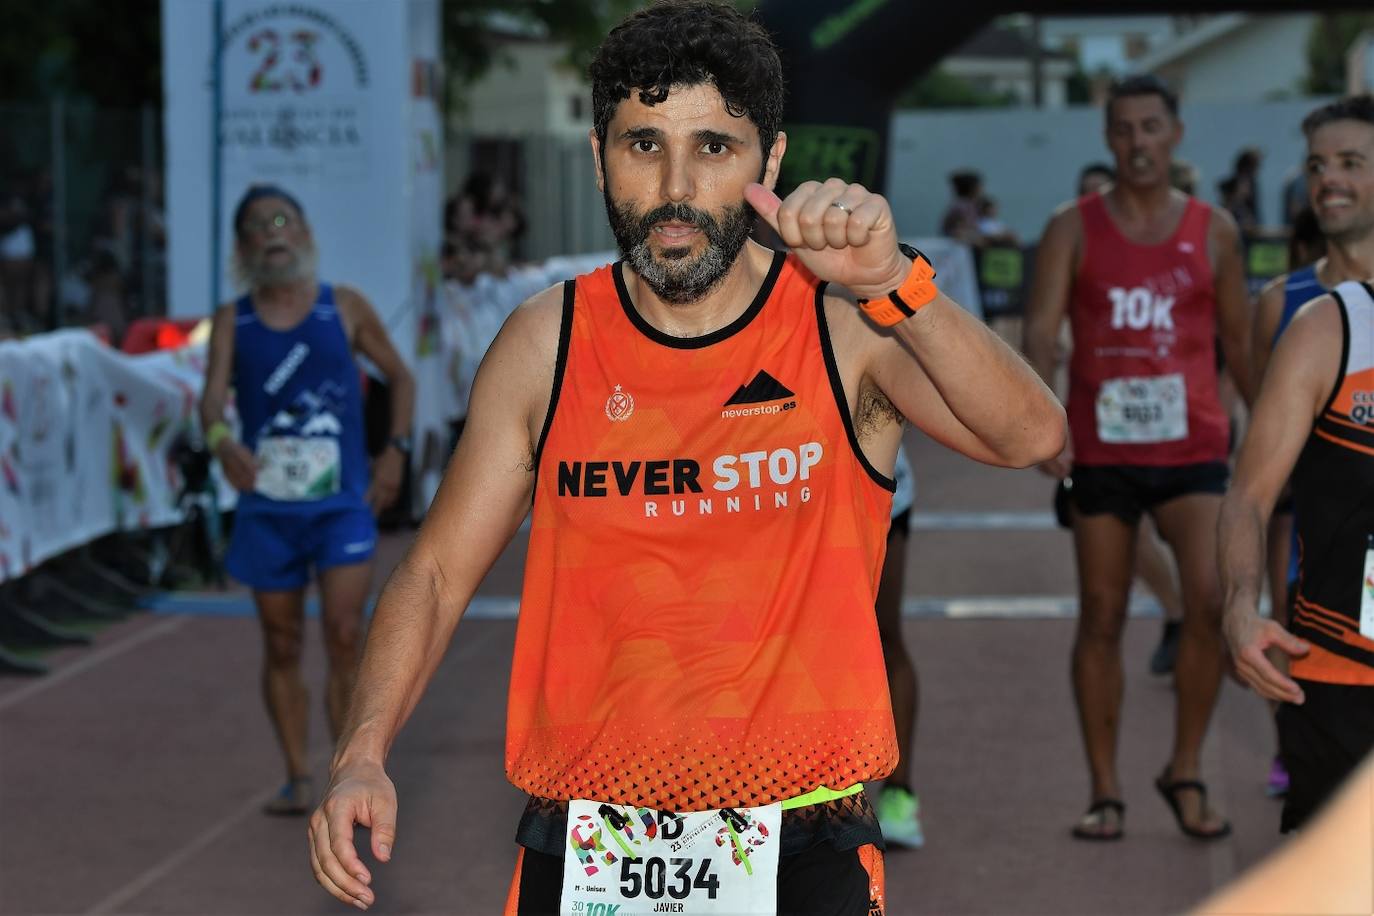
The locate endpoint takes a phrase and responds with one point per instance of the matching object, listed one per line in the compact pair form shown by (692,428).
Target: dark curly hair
(1350,108)
(683,43)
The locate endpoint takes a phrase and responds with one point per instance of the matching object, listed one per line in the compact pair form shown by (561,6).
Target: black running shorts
(1322,742)
(1128,491)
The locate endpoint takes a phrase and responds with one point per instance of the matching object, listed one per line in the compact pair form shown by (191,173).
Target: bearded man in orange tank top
(1149,278)
(706,432)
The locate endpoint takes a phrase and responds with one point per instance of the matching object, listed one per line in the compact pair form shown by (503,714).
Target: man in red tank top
(1148,278)
(707,436)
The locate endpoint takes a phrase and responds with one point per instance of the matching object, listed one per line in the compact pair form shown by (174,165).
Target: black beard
(679,279)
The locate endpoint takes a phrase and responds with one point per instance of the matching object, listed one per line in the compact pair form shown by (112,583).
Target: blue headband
(258,192)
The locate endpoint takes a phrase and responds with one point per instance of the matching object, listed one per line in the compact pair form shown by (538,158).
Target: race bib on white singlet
(629,861)
(295,468)
(1147,409)
(1367,591)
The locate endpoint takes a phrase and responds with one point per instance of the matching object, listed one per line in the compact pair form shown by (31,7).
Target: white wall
(1030,159)
(531,93)
(1265,58)
(1102,40)
(1001,74)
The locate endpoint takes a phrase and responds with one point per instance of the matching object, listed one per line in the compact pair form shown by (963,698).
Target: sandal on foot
(294,799)
(1090,826)
(1169,789)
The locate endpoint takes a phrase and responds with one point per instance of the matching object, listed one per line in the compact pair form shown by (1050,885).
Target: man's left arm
(943,369)
(371,340)
(1233,299)
(952,377)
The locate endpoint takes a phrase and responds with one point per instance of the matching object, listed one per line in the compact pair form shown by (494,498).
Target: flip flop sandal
(1169,789)
(1096,816)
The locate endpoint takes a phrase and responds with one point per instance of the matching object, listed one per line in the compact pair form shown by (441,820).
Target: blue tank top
(300,401)
(1301,287)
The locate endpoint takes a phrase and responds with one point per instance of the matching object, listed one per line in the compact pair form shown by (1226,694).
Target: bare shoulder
(1222,228)
(518,369)
(350,297)
(1066,217)
(1065,226)
(353,306)
(1322,315)
(535,324)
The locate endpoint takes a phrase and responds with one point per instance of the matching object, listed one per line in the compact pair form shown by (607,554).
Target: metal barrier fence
(82,237)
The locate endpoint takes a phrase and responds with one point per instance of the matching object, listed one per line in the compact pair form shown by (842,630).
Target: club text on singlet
(1143,376)
(1333,487)
(697,629)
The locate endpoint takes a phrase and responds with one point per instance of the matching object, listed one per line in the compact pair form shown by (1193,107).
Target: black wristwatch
(400,443)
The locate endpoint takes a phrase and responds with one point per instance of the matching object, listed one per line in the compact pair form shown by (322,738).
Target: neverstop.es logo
(763,391)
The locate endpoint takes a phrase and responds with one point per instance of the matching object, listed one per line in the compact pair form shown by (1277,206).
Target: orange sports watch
(917,290)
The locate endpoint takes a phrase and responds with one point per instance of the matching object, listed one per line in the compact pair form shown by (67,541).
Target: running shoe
(1162,661)
(899,816)
(295,799)
(1277,786)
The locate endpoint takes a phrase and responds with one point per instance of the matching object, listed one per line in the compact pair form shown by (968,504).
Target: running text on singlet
(1143,377)
(697,626)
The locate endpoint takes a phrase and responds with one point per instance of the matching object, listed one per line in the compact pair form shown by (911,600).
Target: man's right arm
(219,366)
(1051,286)
(1268,310)
(1297,382)
(484,497)
(235,460)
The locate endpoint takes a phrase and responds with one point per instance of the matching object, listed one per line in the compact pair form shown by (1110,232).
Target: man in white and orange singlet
(707,432)
(1313,418)
(1149,278)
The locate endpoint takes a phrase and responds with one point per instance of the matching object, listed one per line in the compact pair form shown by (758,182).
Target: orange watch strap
(916,291)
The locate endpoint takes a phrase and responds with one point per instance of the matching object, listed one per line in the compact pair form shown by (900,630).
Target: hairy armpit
(874,413)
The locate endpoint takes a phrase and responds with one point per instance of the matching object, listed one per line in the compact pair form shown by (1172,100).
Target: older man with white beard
(306,497)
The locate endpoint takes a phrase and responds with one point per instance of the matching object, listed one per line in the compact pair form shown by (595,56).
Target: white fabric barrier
(86,434)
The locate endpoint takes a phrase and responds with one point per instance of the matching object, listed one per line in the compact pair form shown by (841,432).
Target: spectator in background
(961,218)
(1094,177)
(990,227)
(16,263)
(1294,194)
(1184,176)
(41,213)
(1239,192)
(486,218)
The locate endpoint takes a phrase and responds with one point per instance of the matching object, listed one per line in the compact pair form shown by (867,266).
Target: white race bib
(1367,591)
(1147,409)
(628,861)
(294,468)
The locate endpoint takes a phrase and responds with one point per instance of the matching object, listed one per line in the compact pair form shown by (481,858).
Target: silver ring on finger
(840,206)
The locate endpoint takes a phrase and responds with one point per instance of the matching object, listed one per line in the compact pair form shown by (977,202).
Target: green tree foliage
(106,51)
(581,24)
(1332,36)
(941,89)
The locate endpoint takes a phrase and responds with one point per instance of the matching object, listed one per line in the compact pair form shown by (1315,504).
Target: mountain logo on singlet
(763,388)
(620,405)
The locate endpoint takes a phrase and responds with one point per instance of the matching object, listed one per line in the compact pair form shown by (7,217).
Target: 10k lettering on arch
(668,476)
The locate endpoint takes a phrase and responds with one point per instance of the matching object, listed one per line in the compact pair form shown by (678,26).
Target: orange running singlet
(697,626)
